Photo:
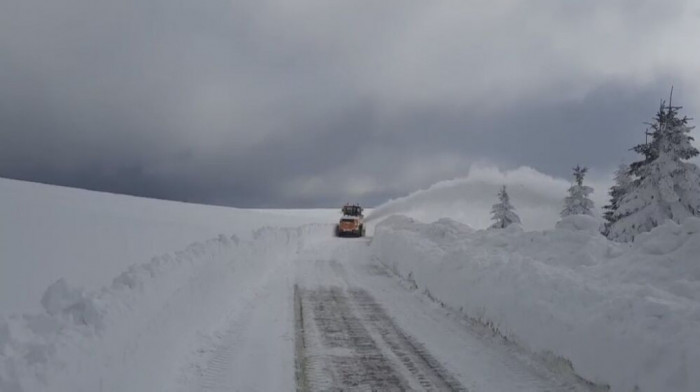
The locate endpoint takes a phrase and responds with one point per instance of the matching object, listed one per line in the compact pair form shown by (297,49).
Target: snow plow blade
(349,234)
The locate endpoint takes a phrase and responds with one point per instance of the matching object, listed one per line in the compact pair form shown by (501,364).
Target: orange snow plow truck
(352,223)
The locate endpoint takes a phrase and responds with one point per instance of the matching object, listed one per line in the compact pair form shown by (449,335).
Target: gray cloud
(313,103)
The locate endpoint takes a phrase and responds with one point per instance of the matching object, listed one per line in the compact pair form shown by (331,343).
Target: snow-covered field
(103,292)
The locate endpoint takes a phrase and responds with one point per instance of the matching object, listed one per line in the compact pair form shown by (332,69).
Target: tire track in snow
(300,344)
(414,356)
(350,343)
(214,376)
(255,350)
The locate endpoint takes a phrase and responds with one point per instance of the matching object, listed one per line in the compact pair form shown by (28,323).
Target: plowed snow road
(334,320)
(349,342)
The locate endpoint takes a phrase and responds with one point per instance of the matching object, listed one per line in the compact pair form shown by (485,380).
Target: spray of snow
(536,196)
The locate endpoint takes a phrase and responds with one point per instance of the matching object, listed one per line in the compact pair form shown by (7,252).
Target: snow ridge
(625,315)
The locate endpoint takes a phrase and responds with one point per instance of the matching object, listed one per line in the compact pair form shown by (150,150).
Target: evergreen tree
(623,182)
(578,202)
(665,187)
(502,212)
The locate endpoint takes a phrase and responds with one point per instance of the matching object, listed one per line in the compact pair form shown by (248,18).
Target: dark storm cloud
(254,103)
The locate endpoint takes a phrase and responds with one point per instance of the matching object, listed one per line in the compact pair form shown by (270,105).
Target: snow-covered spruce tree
(578,202)
(665,187)
(502,212)
(623,183)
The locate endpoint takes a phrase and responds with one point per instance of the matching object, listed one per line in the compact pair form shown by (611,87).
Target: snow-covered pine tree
(665,187)
(578,202)
(623,182)
(502,212)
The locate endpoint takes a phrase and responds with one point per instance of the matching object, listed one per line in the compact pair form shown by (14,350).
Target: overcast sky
(314,103)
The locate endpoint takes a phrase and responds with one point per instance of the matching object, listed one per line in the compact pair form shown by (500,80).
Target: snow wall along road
(624,315)
(134,333)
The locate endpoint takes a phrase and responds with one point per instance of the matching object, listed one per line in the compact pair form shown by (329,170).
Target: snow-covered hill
(111,292)
(50,232)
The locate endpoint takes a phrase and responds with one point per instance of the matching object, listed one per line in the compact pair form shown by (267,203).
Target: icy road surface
(332,319)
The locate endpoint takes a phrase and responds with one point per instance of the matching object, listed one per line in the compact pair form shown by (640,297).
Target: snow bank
(130,334)
(624,315)
(48,232)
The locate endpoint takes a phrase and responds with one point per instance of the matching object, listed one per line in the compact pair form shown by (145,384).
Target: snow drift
(624,315)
